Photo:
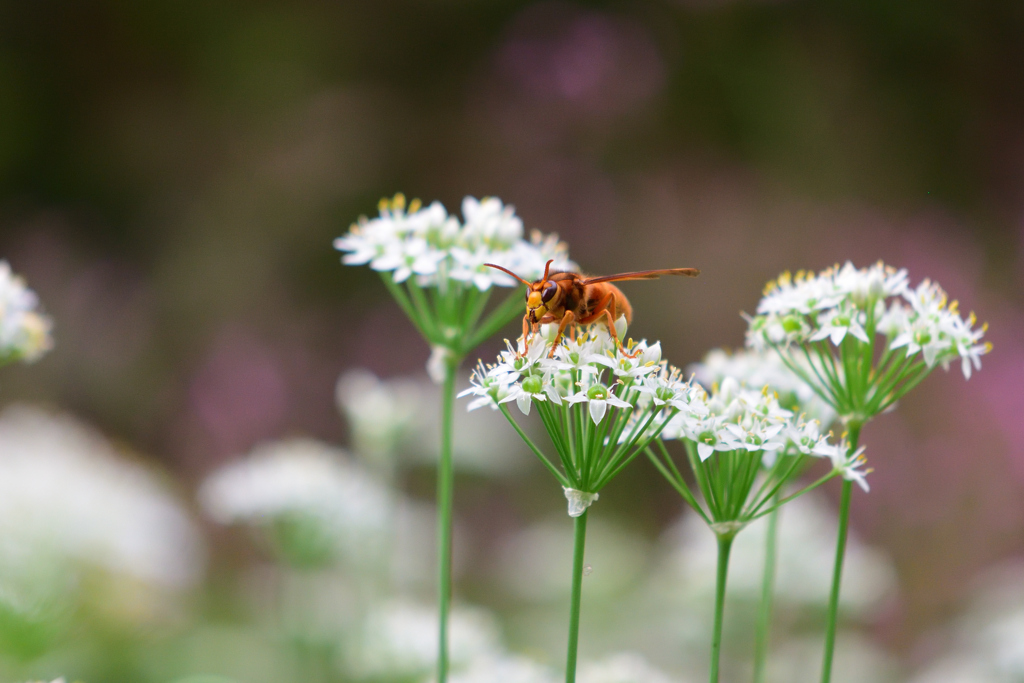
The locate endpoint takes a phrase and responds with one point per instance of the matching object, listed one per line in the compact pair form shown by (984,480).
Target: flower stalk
(837,569)
(721,576)
(579,543)
(445,494)
(762,637)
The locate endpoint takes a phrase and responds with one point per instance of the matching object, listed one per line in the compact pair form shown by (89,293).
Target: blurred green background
(172,175)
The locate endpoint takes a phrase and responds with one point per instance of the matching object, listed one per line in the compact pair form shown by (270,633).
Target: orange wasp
(572,299)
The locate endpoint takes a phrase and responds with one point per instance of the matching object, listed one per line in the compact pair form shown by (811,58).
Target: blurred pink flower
(599,63)
(240,394)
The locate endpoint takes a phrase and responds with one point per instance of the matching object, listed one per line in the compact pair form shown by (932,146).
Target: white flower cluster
(70,502)
(428,243)
(735,418)
(757,369)
(847,301)
(623,667)
(24,332)
(591,369)
(398,640)
(306,481)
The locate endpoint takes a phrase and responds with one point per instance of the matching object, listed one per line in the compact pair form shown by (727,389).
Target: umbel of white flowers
(756,369)
(744,448)
(434,266)
(24,332)
(826,326)
(600,404)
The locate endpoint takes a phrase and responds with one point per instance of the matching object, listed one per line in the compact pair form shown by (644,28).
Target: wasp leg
(525,337)
(567,319)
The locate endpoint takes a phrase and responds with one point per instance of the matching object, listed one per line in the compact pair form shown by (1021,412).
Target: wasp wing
(642,275)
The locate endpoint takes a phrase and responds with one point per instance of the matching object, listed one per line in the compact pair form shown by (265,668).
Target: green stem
(724,545)
(837,572)
(764,617)
(445,476)
(579,540)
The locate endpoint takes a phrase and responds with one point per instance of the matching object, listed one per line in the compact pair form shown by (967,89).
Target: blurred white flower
(327,503)
(380,412)
(624,667)
(504,669)
(398,640)
(619,558)
(857,660)
(69,502)
(986,644)
(806,546)
(24,332)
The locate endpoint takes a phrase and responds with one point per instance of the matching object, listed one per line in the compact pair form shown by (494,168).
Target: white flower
(623,667)
(398,640)
(305,480)
(504,669)
(871,283)
(643,360)
(666,388)
(599,397)
(837,323)
(844,462)
(490,388)
(756,436)
(524,361)
(24,332)
(379,412)
(71,505)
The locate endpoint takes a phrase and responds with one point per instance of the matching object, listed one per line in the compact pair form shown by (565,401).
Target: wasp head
(542,297)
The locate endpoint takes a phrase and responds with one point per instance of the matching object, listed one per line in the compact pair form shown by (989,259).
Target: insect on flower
(572,299)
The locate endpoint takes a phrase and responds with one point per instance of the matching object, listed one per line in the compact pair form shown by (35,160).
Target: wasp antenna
(506,270)
(547,267)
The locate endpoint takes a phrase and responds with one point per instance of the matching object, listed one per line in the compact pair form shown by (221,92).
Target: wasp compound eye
(549,291)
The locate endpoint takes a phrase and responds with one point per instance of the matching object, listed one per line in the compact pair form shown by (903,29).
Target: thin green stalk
(579,541)
(445,475)
(419,300)
(678,483)
(403,302)
(724,546)
(629,458)
(837,572)
(562,479)
(496,319)
(758,514)
(764,616)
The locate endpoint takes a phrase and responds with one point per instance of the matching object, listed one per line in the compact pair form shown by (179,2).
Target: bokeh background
(172,175)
